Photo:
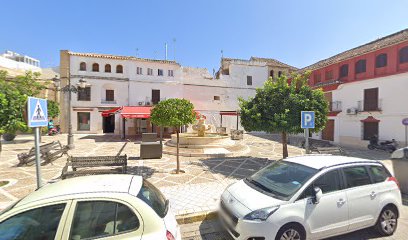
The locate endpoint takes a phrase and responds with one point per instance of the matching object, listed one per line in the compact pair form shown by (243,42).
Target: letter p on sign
(307,119)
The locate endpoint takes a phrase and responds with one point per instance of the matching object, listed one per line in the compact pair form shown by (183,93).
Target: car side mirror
(317,195)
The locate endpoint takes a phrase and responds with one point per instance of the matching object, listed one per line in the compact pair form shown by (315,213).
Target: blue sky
(296,32)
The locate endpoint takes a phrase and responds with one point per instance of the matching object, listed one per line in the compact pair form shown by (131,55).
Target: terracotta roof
(268,61)
(380,43)
(109,56)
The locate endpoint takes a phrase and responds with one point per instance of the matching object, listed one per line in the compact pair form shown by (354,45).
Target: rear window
(154,198)
(379,173)
(356,176)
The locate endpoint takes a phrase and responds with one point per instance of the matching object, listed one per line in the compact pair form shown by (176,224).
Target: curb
(196,217)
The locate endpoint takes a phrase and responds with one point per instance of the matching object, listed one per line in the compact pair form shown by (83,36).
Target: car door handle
(341,201)
(373,194)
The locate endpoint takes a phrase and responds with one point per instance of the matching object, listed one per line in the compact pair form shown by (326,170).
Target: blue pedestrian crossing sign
(37,112)
(307,119)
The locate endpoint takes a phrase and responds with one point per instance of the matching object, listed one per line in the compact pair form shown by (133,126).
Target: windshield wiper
(264,188)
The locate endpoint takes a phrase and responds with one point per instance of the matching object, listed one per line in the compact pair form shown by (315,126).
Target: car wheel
(291,232)
(387,221)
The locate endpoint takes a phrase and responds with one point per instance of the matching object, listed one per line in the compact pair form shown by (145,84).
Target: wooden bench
(84,163)
(48,152)
(330,150)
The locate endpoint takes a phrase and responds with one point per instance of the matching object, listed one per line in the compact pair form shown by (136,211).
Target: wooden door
(328,131)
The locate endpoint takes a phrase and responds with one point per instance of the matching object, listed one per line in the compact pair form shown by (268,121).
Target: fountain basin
(210,140)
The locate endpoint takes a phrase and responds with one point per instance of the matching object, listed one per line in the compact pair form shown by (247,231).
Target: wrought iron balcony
(108,102)
(369,106)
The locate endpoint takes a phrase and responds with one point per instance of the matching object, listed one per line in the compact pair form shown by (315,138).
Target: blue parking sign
(37,112)
(307,119)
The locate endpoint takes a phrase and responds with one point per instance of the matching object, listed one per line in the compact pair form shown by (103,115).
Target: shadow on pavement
(144,171)
(213,230)
(295,141)
(108,138)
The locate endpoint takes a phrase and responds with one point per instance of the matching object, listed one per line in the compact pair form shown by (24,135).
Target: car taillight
(393,179)
(169,236)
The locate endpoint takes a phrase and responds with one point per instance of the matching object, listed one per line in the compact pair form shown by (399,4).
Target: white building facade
(116,81)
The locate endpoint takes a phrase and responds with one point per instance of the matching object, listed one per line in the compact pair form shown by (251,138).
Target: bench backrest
(149,137)
(98,160)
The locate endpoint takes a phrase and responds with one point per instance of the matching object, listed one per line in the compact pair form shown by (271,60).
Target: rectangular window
(369,130)
(371,99)
(149,71)
(361,66)
(155,96)
(317,78)
(84,94)
(159,72)
(110,95)
(379,173)
(84,121)
(329,182)
(344,70)
(170,73)
(356,176)
(217,98)
(139,71)
(329,75)
(249,80)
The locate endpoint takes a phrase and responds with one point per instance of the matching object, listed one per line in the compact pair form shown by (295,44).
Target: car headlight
(261,214)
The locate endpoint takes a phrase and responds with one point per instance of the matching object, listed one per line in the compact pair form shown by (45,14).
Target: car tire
(291,232)
(387,221)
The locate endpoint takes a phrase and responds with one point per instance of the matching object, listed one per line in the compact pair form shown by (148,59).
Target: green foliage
(13,98)
(173,112)
(277,105)
(53,109)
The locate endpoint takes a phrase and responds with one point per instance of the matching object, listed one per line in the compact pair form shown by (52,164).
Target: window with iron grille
(170,73)
(139,71)
(317,78)
(159,72)
(249,80)
(155,96)
(95,67)
(149,71)
(344,70)
(381,60)
(369,130)
(119,69)
(110,95)
(361,66)
(329,75)
(108,68)
(82,66)
(84,94)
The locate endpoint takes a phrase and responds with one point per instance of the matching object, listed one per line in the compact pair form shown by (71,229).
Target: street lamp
(70,89)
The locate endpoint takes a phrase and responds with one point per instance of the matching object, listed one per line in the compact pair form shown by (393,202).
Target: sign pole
(307,140)
(37,156)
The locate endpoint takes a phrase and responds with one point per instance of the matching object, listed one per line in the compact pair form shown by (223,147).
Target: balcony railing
(335,106)
(369,106)
(108,102)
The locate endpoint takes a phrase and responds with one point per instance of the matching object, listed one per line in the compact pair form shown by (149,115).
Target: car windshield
(281,179)
(154,198)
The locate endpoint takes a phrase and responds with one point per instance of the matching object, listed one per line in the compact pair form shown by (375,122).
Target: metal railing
(369,106)
(335,106)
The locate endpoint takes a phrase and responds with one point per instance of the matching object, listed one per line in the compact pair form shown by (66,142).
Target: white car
(92,207)
(312,197)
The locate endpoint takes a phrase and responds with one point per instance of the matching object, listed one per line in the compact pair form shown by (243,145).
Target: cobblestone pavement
(196,190)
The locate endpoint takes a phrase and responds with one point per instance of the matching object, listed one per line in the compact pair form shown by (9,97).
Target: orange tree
(277,105)
(173,112)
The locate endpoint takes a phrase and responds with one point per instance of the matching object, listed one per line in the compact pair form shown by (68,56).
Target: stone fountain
(201,138)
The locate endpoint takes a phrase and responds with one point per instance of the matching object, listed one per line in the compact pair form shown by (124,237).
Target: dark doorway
(109,124)
(370,129)
(328,131)
(155,96)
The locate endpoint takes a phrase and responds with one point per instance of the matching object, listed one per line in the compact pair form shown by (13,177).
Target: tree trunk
(285,145)
(1,135)
(178,160)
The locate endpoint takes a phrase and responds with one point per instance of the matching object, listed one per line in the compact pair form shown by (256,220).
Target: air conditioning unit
(140,103)
(351,111)
(147,103)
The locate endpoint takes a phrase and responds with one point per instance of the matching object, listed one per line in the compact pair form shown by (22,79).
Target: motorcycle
(53,131)
(388,146)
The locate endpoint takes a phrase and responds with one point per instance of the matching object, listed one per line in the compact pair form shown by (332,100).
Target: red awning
(370,119)
(229,113)
(135,112)
(110,112)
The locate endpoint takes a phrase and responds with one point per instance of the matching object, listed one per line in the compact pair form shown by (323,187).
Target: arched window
(381,60)
(361,66)
(403,55)
(95,67)
(279,73)
(108,68)
(344,70)
(271,74)
(119,69)
(82,66)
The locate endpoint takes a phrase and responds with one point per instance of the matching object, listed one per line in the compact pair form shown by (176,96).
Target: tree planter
(9,137)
